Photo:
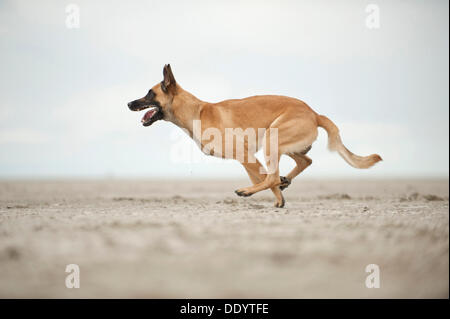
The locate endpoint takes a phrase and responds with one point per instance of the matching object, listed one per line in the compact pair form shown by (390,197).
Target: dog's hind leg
(302,162)
(254,172)
(285,135)
(271,180)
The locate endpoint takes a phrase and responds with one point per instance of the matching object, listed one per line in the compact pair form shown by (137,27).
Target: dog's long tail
(335,144)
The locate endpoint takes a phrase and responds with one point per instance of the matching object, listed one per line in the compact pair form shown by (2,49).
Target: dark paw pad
(280,205)
(285,182)
(242,193)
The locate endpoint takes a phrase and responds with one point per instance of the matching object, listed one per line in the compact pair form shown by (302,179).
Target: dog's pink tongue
(148,115)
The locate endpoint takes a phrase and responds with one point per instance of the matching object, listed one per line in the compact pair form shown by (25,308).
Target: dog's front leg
(254,172)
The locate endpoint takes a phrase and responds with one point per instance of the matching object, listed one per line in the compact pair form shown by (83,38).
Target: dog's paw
(280,205)
(285,182)
(243,193)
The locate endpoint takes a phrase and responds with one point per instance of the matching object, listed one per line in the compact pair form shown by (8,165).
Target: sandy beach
(197,239)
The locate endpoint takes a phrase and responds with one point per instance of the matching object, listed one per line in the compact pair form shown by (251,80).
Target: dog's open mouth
(152,115)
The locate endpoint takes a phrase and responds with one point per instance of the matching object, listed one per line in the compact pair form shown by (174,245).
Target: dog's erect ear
(169,80)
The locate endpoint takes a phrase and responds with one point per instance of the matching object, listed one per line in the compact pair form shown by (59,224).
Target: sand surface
(158,239)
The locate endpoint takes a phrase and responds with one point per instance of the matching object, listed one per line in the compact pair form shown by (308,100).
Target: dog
(292,123)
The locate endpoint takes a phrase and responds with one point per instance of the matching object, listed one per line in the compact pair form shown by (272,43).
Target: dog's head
(158,99)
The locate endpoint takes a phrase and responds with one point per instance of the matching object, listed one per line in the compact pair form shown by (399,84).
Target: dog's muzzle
(154,113)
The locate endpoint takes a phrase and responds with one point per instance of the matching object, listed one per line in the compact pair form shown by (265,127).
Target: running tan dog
(291,122)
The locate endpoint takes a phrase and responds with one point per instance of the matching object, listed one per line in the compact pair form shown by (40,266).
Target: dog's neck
(185,109)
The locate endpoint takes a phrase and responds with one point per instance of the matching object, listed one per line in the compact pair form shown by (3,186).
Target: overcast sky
(64,90)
